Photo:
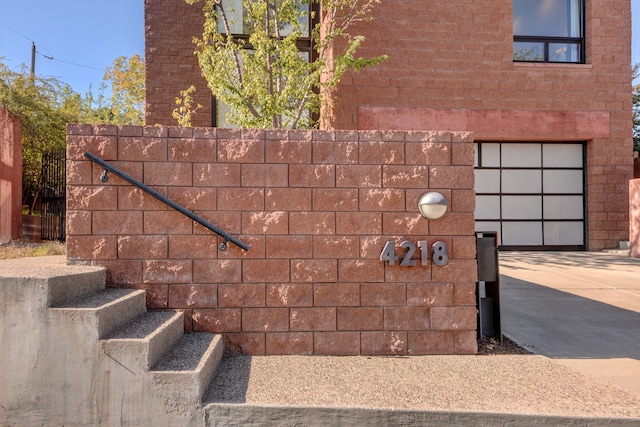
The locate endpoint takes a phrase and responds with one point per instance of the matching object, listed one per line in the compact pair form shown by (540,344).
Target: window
(241,29)
(548,31)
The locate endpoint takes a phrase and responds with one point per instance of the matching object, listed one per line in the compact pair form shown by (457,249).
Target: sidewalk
(578,311)
(582,309)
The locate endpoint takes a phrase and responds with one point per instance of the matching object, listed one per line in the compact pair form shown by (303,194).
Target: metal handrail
(107,167)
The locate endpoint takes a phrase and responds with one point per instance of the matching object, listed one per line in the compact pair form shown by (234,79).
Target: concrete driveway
(581,309)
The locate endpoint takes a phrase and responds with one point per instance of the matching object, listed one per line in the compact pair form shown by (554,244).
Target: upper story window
(548,31)
(241,27)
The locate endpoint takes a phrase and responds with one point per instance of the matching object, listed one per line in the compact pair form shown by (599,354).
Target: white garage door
(532,194)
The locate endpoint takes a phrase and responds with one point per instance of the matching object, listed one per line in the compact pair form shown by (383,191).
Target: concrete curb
(229,415)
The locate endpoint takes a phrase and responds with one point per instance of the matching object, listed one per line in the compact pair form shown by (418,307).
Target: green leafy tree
(127,80)
(44,106)
(262,76)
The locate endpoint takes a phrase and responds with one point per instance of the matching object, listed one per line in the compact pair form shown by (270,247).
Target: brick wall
(171,66)
(455,56)
(316,207)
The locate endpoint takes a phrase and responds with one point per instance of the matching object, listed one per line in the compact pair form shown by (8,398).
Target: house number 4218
(440,255)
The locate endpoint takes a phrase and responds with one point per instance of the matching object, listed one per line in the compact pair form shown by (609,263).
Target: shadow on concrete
(570,259)
(558,324)
(231,381)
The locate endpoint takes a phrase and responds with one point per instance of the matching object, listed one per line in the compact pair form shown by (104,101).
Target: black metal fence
(54,195)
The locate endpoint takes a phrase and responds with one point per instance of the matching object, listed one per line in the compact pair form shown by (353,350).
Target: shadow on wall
(557,324)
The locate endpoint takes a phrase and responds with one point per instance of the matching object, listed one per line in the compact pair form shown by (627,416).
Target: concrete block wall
(316,208)
(456,58)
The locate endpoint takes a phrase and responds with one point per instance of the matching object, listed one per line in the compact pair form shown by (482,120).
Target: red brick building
(544,86)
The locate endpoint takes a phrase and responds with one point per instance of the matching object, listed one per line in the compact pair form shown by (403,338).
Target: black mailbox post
(488,286)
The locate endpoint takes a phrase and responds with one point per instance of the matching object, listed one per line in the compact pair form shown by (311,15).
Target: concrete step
(139,344)
(184,372)
(72,288)
(107,310)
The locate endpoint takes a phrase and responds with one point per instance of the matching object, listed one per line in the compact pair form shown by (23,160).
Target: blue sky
(82,36)
(85,36)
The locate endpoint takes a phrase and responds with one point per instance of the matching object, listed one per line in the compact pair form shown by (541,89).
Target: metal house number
(440,255)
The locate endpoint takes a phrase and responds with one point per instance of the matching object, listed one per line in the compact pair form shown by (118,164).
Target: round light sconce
(432,205)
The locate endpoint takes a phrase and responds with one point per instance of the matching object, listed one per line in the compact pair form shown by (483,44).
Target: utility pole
(33,59)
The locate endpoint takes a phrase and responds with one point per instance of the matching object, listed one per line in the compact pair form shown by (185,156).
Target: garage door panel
(563,181)
(563,233)
(563,156)
(487,180)
(522,181)
(487,226)
(563,207)
(491,155)
(532,194)
(521,156)
(488,207)
(521,207)
(522,233)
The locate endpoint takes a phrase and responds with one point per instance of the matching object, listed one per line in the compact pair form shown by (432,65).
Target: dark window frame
(547,40)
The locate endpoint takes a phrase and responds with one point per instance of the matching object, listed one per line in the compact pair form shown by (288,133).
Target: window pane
(236,17)
(221,115)
(564,52)
(233,10)
(528,51)
(547,18)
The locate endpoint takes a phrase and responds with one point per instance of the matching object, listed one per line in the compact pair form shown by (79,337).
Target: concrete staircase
(75,353)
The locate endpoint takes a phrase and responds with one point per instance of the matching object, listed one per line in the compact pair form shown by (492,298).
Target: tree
(128,90)
(46,105)
(636,108)
(262,75)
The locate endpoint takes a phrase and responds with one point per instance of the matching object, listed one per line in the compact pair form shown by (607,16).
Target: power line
(17,32)
(71,63)
(50,57)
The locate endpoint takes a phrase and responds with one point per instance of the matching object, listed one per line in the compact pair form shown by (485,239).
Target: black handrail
(167,201)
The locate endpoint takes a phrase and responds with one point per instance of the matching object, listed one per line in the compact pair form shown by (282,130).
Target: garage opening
(531,194)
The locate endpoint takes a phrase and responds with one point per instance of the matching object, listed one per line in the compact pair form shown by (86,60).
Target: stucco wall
(10,177)
(634,214)
(316,207)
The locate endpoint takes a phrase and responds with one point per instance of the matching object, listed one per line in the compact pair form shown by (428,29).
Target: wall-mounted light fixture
(432,205)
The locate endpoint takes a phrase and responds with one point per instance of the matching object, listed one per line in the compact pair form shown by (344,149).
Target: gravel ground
(511,384)
(492,346)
